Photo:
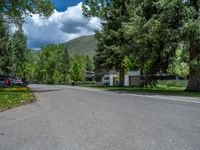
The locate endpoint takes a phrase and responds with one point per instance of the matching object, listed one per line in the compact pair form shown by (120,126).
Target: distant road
(73,118)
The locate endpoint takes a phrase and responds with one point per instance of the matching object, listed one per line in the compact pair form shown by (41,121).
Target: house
(111,78)
(135,78)
(105,77)
(89,76)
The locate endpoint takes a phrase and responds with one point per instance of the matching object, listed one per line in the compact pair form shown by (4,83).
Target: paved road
(67,118)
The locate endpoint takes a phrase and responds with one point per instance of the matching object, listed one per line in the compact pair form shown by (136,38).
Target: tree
(153,32)
(30,65)
(76,72)
(191,34)
(65,64)
(78,68)
(89,63)
(16,10)
(111,41)
(149,30)
(53,65)
(6,55)
(46,65)
(21,52)
(180,65)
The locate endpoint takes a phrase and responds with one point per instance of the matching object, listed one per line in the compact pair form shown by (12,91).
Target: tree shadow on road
(154,92)
(45,90)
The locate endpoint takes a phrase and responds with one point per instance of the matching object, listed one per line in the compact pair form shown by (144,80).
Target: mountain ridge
(84,45)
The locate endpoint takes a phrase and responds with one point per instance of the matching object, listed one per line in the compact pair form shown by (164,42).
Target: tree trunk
(194,79)
(121,77)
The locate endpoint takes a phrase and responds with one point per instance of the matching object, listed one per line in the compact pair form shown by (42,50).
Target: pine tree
(111,41)
(77,70)
(157,28)
(6,55)
(89,63)
(65,64)
(21,52)
(191,34)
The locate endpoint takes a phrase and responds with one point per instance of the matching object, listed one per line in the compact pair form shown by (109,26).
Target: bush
(173,83)
(86,83)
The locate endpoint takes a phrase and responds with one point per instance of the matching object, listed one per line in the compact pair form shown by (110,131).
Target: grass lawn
(161,91)
(162,88)
(15,96)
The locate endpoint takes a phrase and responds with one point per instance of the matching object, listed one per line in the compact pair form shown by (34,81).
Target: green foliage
(154,35)
(110,47)
(17,9)
(129,64)
(151,32)
(179,65)
(21,54)
(6,54)
(89,63)
(53,65)
(78,68)
(86,83)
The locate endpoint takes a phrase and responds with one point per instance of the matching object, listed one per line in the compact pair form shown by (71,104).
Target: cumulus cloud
(59,27)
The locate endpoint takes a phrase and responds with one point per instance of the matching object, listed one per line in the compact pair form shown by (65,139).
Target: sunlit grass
(174,91)
(15,96)
(162,88)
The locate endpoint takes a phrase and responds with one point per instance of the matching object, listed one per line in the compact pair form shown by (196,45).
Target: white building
(111,78)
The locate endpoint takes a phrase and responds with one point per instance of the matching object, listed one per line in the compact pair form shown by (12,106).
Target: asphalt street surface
(73,118)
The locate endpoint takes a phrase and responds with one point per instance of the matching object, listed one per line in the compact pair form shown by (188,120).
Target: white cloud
(59,27)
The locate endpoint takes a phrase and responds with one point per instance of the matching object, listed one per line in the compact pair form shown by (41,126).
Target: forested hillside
(85,45)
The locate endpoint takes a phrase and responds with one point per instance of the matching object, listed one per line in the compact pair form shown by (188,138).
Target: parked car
(18,82)
(6,81)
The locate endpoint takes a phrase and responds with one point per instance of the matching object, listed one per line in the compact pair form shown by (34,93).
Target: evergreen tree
(53,65)
(111,41)
(21,52)
(89,63)
(191,34)
(153,34)
(78,68)
(76,72)
(155,31)
(65,64)
(6,55)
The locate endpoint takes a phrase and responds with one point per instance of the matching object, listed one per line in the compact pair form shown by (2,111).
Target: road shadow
(155,92)
(134,92)
(45,90)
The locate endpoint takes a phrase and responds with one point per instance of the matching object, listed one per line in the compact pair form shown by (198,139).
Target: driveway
(73,118)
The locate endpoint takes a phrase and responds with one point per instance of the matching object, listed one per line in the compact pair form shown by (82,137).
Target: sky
(66,23)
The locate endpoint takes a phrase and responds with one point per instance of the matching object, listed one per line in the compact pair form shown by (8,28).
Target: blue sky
(61,5)
(66,23)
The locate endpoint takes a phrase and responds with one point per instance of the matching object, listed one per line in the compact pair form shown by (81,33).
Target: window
(106,78)
(98,79)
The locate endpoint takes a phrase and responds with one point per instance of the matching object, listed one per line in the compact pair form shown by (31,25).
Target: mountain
(35,51)
(85,45)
